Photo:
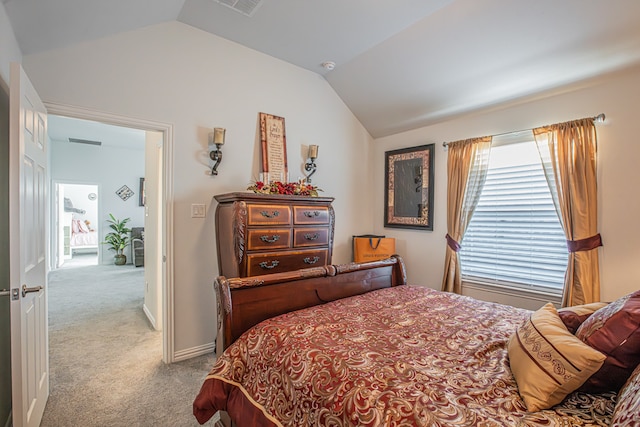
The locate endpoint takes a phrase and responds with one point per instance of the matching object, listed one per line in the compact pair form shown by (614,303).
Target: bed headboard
(245,302)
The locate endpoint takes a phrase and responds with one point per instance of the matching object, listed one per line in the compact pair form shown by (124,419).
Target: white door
(28,251)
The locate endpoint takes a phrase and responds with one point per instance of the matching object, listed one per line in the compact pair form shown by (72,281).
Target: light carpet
(106,360)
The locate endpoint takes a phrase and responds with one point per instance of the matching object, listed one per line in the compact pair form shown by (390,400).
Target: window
(515,238)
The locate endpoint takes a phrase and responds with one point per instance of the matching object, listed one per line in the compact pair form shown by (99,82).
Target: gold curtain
(467,165)
(568,153)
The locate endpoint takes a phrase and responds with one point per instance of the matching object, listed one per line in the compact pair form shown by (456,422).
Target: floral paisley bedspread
(402,356)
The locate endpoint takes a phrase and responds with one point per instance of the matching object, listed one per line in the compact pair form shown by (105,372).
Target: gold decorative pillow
(549,362)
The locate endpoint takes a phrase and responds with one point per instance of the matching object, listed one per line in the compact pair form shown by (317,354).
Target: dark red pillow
(572,317)
(615,331)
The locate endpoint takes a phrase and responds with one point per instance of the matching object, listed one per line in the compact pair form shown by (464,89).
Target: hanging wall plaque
(274,147)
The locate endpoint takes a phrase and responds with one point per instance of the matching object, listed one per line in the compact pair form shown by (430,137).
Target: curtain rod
(597,119)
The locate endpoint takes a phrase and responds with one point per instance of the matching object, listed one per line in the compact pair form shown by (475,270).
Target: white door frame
(168,352)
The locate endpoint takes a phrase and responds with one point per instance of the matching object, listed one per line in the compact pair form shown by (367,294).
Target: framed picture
(274,147)
(143,193)
(408,196)
(124,192)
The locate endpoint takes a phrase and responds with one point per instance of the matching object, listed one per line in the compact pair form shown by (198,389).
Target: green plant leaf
(119,238)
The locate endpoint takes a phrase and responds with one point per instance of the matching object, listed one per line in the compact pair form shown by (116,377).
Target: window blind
(514,237)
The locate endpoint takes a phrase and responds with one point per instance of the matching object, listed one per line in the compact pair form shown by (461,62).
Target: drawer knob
(266,265)
(311,214)
(271,239)
(313,260)
(310,236)
(273,214)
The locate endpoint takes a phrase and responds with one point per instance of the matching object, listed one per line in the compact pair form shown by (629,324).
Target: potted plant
(118,239)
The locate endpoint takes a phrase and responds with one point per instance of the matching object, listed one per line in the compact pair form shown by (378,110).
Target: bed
(355,345)
(83,237)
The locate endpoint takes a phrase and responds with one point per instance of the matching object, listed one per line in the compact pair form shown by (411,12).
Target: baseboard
(189,353)
(152,319)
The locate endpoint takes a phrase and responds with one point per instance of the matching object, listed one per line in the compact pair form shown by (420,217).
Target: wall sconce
(216,155)
(311,166)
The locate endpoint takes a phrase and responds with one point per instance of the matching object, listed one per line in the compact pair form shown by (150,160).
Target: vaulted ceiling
(400,64)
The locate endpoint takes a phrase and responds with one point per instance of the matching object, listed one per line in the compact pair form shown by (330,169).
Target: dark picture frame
(409,184)
(143,193)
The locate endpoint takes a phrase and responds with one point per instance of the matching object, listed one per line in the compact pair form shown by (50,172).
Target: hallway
(106,360)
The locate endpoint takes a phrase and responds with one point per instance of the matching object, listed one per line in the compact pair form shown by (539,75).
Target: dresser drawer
(268,215)
(277,262)
(266,239)
(311,215)
(272,233)
(316,236)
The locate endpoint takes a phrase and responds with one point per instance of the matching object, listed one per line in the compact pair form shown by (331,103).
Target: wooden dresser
(263,234)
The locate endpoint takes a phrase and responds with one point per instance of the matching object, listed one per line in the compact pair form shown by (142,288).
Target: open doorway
(156,209)
(78,228)
(99,170)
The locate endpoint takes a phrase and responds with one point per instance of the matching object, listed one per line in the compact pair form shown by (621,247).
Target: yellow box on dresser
(262,234)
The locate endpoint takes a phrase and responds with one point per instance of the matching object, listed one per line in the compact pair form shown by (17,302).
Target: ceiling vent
(245,7)
(85,141)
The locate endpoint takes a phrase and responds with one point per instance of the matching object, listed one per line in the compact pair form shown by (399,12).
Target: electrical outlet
(198,210)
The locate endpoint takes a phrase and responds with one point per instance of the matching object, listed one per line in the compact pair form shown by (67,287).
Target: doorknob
(26,290)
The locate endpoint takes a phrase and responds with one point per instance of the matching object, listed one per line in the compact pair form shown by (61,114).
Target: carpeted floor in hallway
(105,358)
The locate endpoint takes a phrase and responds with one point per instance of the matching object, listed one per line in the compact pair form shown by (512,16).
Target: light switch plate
(198,210)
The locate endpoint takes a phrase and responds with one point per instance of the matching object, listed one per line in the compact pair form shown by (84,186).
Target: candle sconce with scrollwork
(311,166)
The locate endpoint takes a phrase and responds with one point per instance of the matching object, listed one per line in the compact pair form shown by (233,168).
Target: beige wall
(173,73)
(618,96)
(9,49)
